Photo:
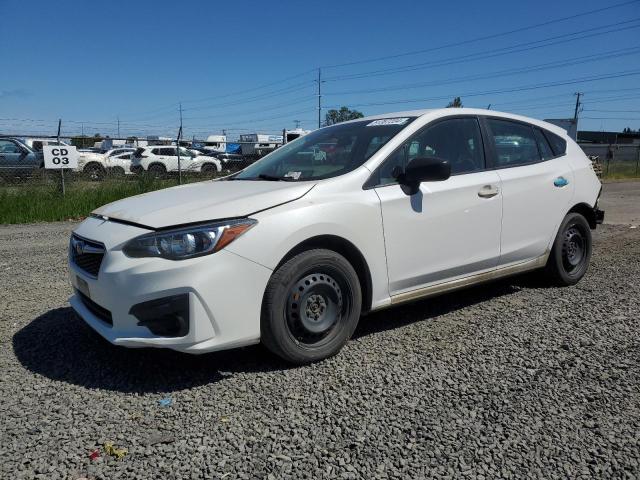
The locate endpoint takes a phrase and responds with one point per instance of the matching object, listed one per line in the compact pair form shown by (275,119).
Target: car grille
(100,312)
(86,254)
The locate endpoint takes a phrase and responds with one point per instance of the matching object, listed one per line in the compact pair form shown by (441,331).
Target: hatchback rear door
(537,187)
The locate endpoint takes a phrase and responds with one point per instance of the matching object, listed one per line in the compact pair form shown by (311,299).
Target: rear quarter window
(558,144)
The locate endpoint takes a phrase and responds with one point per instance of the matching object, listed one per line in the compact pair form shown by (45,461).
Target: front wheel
(571,252)
(311,307)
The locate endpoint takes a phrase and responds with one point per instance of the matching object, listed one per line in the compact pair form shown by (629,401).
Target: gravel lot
(501,381)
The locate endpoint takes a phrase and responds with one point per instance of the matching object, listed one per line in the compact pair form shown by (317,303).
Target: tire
(311,307)
(117,172)
(571,252)
(209,169)
(157,170)
(94,172)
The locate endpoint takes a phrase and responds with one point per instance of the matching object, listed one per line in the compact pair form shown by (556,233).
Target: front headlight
(188,242)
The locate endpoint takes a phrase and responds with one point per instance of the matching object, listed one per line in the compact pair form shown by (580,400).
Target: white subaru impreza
(348,219)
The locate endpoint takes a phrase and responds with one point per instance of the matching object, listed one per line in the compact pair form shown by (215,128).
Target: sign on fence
(60,156)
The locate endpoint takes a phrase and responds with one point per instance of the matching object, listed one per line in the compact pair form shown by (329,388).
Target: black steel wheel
(311,306)
(571,252)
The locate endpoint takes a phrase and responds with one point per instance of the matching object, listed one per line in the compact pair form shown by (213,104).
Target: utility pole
(118,126)
(178,145)
(319,99)
(575,113)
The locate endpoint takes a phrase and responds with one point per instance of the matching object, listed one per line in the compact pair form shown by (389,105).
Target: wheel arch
(160,164)
(93,163)
(217,167)
(587,212)
(345,248)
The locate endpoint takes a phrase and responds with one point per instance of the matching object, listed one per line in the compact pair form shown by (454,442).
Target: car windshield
(326,153)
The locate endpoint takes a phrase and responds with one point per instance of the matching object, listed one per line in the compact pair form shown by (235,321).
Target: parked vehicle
(216,143)
(17,159)
(96,165)
(256,145)
(291,250)
(159,160)
(291,135)
(36,144)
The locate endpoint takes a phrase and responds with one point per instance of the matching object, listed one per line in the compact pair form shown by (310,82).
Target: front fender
(353,216)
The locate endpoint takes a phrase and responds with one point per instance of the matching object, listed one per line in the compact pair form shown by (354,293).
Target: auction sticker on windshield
(388,121)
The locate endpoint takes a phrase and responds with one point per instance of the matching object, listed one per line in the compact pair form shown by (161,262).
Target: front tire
(311,307)
(571,252)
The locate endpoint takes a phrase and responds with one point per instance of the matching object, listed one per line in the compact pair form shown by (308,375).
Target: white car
(292,250)
(96,165)
(159,159)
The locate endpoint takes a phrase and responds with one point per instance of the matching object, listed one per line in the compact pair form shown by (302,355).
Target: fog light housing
(165,317)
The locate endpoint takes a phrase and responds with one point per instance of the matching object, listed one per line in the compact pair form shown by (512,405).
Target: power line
(513,71)
(486,37)
(509,90)
(491,53)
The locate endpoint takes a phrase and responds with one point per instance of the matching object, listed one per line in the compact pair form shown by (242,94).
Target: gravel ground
(507,380)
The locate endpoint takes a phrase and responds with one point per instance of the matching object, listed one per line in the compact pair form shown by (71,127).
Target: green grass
(24,203)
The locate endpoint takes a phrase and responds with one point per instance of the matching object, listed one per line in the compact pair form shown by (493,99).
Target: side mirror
(427,169)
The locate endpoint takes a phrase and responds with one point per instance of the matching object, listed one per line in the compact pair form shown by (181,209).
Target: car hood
(203,201)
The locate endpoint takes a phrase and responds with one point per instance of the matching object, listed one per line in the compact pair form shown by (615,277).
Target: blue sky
(251,66)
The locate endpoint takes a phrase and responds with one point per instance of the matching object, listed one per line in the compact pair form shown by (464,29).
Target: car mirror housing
(425,169)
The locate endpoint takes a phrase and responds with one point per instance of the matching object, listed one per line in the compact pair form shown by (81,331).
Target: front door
(449,229)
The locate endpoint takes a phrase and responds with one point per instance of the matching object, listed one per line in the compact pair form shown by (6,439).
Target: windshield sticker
(388,121)
(294,175)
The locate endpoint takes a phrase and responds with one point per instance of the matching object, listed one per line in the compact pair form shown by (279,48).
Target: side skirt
(449,286)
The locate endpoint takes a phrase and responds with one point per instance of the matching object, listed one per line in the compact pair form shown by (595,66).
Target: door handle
(488,191)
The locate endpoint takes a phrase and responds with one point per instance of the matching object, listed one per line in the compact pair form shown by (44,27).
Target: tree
(456,103)
(342,115)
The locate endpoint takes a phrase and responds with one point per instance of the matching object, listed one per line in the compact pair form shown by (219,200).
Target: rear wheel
(157,171)
(571,252)
(209,169)
(94,172)
(311,307)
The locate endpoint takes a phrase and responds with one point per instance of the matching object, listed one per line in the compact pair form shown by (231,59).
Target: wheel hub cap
(573,248)
(315,306)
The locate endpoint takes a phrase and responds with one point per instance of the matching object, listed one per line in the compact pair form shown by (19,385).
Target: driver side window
(457,140)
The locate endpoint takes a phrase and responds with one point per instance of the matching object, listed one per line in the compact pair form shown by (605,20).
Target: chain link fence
(129,159)
(110,169)
(614,160)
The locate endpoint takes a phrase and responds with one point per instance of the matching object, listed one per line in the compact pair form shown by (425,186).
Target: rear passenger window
(514,142)
(558,144)
(156,151)
(543,145)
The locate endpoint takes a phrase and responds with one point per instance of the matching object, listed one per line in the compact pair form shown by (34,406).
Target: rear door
(537,188)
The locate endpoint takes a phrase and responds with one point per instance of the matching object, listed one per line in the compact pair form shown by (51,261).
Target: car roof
(467,111)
